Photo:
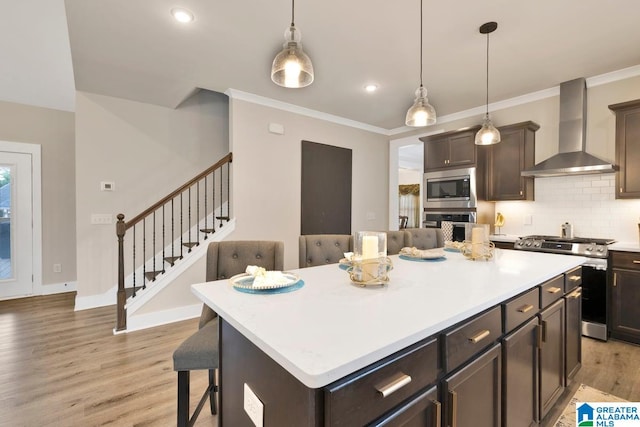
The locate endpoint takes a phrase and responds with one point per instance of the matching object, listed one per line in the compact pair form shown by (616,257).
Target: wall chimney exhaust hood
(572,159)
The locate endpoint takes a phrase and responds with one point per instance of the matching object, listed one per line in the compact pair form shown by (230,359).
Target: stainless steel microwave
(454,188)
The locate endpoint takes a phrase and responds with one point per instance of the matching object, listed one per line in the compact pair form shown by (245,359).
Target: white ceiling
(135,50)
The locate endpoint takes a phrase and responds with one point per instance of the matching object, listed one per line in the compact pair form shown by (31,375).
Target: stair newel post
(181,225)
(173,237)
(153,234)
(121,229)
(144,254)
(228,190)
(189,218)
(163,238)
(198,212)
(213,199)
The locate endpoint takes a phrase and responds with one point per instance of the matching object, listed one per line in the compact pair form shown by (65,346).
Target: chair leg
(183,398)
(212,391)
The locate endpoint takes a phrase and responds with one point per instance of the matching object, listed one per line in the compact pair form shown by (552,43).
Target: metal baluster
(198,212)
(228,190)
(213,198)
(181,225)
(144,253)
(221,198)
(189,219)
(134,261)
(154,245)
(163,238)
(206,213)
(173,238)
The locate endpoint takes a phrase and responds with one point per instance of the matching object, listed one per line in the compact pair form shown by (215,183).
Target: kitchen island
(292,349)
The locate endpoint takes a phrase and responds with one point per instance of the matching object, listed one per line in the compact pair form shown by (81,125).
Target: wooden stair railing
(187,218)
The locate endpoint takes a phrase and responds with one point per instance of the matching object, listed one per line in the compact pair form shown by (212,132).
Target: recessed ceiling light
(371,88)
(182,15)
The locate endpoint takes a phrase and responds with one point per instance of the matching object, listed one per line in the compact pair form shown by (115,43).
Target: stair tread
(208,230)
(190,244)
(129,291)
(151,275)
(172,259)
(226,218)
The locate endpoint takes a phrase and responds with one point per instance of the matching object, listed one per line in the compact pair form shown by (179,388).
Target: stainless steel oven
(433,219)
(450,189)
(594,275)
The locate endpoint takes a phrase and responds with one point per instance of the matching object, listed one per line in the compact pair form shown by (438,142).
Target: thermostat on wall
(107,186)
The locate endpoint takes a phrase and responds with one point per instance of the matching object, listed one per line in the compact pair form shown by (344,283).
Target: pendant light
(292,67)
(421,112)
(488,134)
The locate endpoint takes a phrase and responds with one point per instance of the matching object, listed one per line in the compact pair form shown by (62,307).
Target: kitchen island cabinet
(624,296)
(450,150)
(627,149)
(293,350)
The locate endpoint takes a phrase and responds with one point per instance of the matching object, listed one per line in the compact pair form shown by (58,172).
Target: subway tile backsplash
(586,201)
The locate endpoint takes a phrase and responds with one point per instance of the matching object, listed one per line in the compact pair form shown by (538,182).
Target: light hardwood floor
(64,368)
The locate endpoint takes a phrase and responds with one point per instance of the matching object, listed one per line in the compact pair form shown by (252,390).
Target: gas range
(587,247)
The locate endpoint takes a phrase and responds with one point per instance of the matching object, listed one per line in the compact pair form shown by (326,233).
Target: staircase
(162,236)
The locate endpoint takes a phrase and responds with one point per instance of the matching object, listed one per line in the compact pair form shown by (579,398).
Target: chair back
(228,258)
(396,240)
(424,238)
(321,249)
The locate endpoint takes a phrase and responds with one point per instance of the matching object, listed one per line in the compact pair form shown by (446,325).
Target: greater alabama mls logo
(607,414)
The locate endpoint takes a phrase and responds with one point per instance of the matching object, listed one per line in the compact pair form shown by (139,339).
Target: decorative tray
(413,254)
(244,282)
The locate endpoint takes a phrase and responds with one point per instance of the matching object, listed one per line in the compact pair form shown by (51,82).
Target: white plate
(245,281)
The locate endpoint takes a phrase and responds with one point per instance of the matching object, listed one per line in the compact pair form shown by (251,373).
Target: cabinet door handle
(539,336)
(479,336)
(576,294)
(521,192)
(393,386)
(575,278)
(636,261)
(543,327)
(453,416)
(525,308)
(615,279)
(437,408)
(553,290)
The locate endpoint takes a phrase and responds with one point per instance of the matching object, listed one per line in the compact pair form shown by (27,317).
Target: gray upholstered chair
(200,350)
(321,249)
(396,240)
(424,238)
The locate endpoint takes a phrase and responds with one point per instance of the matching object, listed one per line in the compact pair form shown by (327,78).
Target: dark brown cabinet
(423,410)
(472,396)
(573,339)
(552,346)
(450,150)
(627,149)
(503,163)
(520,373)
(624,320)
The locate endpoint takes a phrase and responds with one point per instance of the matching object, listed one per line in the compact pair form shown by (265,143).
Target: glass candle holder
(477,237)
(370,257)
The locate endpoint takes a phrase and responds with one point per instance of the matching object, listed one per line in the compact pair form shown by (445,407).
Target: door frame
(36,199)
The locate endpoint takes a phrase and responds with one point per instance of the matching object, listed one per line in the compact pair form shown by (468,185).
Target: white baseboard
(95,301)
(57,288)
(158,318)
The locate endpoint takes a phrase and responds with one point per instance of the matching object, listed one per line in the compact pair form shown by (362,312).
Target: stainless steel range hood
(572,158)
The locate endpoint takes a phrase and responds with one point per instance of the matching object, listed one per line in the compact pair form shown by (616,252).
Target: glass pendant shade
(292,67)
(488,134)
(421,112)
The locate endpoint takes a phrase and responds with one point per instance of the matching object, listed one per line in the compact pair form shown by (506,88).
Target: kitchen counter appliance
(594,274)
(450,189)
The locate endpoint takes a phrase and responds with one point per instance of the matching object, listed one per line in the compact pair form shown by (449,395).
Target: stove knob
(589,248)
(528,244)
(600,249)
(520,243)
(537,244)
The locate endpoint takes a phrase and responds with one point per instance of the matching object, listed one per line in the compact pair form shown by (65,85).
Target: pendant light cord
(487,98)
(293,3)
(421,43)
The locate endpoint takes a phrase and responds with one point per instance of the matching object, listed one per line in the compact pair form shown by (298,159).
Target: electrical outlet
(57,268)
(253,406)
(528,219)
(101,219)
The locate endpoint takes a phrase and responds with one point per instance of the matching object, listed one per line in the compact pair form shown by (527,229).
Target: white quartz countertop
(624,246)
(330,328)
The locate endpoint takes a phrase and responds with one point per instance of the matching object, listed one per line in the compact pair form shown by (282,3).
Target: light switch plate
(528,219)
(253,406)
(102,219)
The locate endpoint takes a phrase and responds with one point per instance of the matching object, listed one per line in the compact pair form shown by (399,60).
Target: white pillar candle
(369,247)
(477,235)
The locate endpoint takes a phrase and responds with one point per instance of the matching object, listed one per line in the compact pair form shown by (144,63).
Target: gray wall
(147,151)
(54,131)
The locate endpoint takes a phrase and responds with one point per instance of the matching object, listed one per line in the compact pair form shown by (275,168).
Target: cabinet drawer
(466,340)
(628,260)
(367,394)
(551,291)
(573,279)
(423,410)
(520,309)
